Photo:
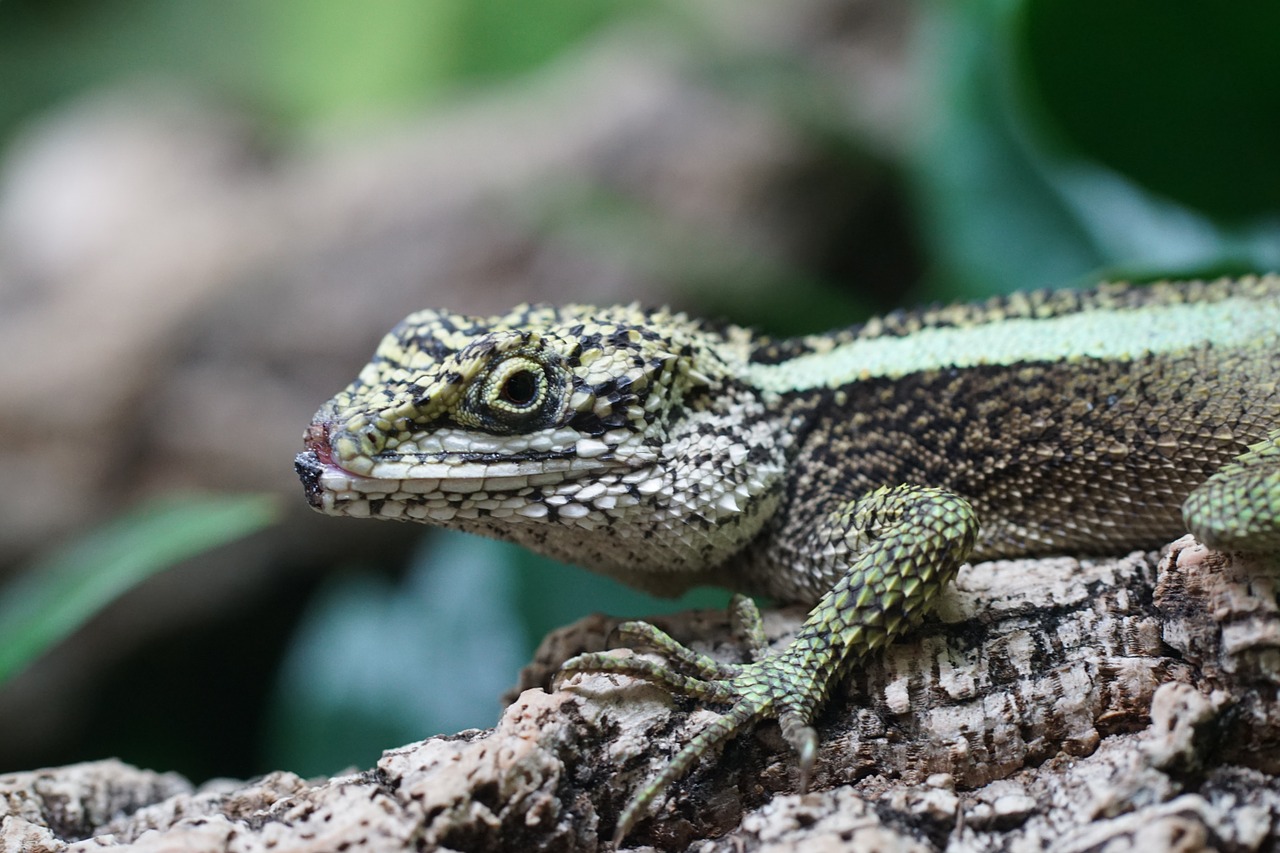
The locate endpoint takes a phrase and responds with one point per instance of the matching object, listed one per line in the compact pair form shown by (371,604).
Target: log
(1060,704)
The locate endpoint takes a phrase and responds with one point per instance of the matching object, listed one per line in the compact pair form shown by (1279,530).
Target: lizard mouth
(314,463)
(456,476)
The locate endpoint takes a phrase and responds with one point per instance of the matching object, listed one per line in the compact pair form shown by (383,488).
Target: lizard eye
(517,394)
(520,388)
(516,387)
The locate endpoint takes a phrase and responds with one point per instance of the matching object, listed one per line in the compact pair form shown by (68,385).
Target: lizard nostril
(316,440)
(316,437)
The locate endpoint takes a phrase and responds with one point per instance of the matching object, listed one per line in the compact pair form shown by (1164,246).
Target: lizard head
(459,420)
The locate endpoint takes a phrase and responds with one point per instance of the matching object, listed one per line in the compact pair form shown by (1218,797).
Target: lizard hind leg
(895,548)
(1238,508)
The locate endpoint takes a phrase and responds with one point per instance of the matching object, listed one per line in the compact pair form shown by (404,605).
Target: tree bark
(1051,704)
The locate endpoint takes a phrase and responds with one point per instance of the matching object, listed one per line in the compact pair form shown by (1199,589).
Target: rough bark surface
(1052,704)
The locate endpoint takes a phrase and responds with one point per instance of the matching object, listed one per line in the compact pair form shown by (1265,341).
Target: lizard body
(856,470)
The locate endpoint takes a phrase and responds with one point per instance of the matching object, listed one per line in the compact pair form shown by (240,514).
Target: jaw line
(464,466)
(412,476)
(329,481)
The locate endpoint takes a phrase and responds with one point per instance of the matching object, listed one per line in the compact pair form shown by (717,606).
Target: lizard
(855,471)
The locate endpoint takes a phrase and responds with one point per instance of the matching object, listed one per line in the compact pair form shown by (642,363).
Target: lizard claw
(768,686)
(804,740)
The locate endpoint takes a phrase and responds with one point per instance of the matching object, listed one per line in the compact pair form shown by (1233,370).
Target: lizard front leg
(1238,508)
(894,549)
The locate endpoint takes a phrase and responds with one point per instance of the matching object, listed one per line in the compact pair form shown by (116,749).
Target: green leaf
(993,216)
(1182,96)
(57,595)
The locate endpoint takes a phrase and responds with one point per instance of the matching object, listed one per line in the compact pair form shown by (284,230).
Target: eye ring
(517,393)
(520,388)
(517,389)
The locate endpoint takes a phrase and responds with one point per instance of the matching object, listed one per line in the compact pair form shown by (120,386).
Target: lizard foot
(767,686)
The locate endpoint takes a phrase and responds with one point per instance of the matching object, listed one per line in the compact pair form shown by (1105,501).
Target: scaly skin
(857,469)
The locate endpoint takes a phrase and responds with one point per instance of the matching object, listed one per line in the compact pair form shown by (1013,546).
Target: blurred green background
(1029,143)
